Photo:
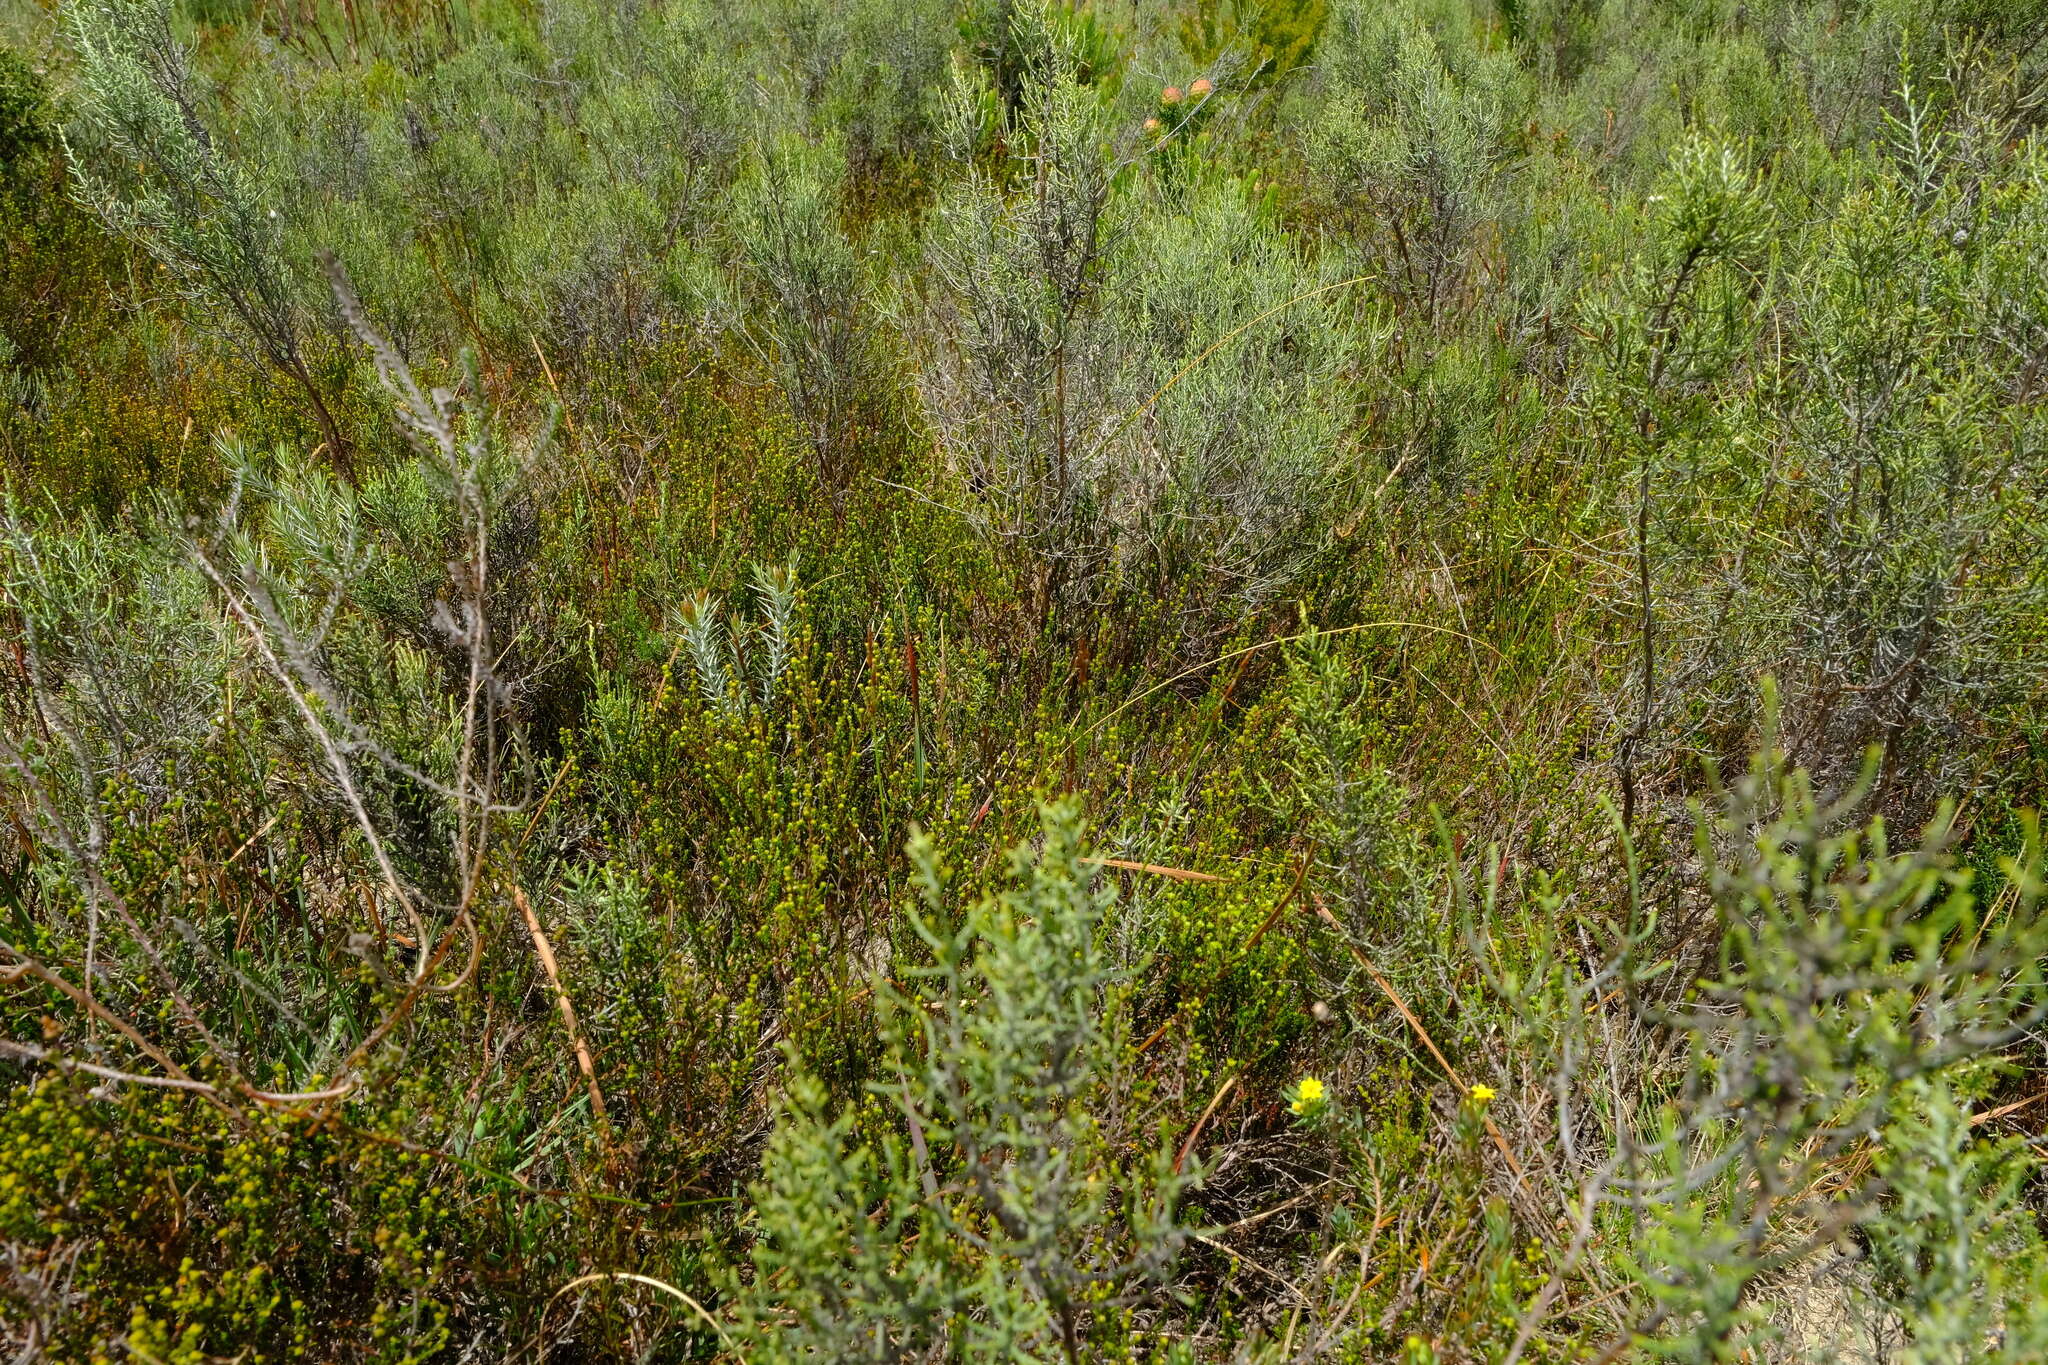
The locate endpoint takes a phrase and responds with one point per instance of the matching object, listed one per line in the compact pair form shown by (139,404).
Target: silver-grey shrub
(818,329)
(1408,146)
(159,178)
(1131,367)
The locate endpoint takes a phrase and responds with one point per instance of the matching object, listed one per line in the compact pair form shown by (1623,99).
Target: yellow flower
(1307,1095)
(1482,1093)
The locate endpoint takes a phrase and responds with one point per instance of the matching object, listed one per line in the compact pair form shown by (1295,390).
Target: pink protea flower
(1201,87)
(1171,95)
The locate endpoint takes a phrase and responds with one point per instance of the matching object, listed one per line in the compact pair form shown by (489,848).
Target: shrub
(821,335)
(460,912)
(1138,384)
(1011,1224)
(188,203)
(1408,148)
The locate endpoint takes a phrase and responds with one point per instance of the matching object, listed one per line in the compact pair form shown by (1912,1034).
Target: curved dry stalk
(31,1053)
(651,1283)
(1217,345)
(1282,640)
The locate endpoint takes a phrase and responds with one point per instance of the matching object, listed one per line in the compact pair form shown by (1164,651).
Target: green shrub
(459,911)
(1013,1224)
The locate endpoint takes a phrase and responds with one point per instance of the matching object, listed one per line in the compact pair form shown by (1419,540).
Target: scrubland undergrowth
(956,680)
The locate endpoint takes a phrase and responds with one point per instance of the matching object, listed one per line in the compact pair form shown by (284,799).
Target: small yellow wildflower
(1482,1093)
(1307,1095)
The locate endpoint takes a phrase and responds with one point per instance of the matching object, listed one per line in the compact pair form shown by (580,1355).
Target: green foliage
(1363,458)
(1196,361)
(278,1232)
(1410,142)
(58,267)
(1012,1224)
(188,203)
(27,127)
(1276,36)
(1958,1255)
(819,326)
(1849,979)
